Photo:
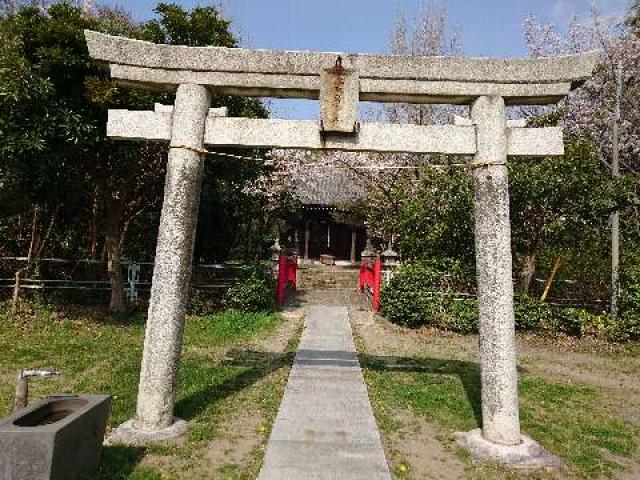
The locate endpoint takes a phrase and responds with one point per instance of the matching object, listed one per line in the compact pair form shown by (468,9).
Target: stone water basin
(57,438)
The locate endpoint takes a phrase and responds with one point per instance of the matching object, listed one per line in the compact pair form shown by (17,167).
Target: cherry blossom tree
(590,109)
(381,183)
(589,112)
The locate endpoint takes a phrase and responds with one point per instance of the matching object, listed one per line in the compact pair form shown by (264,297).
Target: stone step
(324,286)
(327,277)
(327,280)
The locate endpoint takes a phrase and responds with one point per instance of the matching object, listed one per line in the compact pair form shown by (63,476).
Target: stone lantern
(276,250)
(390,258)
(369,253)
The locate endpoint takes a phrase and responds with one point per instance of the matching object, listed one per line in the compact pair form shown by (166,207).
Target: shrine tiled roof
(330,187)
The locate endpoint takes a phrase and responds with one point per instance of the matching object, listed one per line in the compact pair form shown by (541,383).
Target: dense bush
(205,301)
(255,291)
(411,297)
(421,295)
(418,294)
(532,315)
(630,302)
(461,315)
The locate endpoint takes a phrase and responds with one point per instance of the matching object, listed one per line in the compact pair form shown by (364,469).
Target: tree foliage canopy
(54,101)
(65,188)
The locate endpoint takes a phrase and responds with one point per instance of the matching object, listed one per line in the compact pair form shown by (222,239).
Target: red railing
(371,278)
(287,275)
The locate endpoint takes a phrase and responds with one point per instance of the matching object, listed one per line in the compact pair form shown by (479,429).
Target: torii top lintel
(381,78)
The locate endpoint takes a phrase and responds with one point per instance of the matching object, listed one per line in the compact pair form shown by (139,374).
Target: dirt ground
(415,448)
(237,449)
(243,436)
(423,447)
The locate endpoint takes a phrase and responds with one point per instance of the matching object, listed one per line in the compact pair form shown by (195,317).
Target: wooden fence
(88,275)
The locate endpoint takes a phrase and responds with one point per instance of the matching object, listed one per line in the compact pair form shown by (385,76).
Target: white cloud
(610,10)
(559,8)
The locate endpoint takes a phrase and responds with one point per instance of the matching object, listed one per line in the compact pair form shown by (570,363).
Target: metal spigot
(21,398)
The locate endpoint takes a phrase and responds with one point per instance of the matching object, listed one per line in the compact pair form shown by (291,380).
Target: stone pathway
(325,428)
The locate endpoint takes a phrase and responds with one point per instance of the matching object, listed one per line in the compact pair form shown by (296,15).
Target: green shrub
(629,318)
(532,315)
(409,299)
(204,301)
(463,316)
(604,326)
(629,325)
(581,323)
(420,295)
(255,291)
(570,321)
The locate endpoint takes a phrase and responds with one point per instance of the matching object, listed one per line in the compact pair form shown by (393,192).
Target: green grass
(98,355)
(570,420)
(268,397)
(226,327)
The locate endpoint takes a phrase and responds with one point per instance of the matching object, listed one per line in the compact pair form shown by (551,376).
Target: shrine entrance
(339,82)
(319,234)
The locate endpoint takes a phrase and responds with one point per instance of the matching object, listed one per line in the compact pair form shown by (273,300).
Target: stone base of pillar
(127,434)
(527,455)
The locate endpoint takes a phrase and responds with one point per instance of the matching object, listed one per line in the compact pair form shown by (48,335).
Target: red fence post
(376,283)
(282,278)
(371,274)
(293,271)
(287,274)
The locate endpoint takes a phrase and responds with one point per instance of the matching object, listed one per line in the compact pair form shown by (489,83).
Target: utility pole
(615,218)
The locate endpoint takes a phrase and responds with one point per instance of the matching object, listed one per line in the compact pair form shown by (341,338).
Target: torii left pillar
(154,419)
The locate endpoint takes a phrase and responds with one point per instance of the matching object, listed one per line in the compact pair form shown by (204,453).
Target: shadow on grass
(467,372)
(261,364)
(118,462)
(258,364)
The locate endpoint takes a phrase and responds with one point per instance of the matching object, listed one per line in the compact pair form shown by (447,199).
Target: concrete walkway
(325,429)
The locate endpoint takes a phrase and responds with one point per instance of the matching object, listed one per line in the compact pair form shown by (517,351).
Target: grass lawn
(579,399)
(220,374)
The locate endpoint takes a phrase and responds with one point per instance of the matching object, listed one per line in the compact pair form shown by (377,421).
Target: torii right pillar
(500,437)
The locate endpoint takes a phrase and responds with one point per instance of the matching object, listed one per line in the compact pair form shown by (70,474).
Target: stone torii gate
(339,81)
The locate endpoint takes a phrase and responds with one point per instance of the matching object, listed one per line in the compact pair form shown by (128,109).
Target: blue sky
(490,27)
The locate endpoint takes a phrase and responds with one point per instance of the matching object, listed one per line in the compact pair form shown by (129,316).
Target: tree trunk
(528,270)
(116,304)
(529,267)
(113,238)
(92,234)
(15,300)
(33,268)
